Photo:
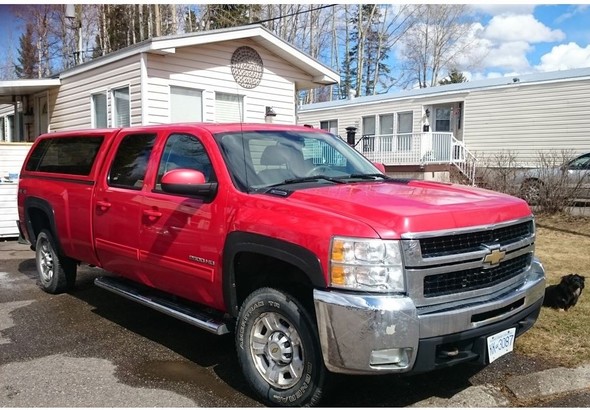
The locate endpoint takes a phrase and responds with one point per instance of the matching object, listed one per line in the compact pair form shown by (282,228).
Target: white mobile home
(242,74)
(437,129)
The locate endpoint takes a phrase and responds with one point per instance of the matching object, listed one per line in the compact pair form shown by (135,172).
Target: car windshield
(258,160)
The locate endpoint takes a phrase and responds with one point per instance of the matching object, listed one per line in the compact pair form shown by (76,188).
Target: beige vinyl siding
(13,155)
(529,119)
(73,105)
(351,115)
(207,68)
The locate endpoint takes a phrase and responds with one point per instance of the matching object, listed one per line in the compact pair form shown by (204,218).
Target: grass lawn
(563,246)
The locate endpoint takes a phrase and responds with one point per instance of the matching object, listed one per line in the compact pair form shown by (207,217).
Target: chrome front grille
(450,266)
(472,241)
(475,278)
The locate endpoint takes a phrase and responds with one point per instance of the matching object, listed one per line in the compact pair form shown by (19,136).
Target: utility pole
(76,20)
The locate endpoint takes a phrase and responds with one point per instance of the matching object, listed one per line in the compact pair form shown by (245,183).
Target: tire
(57,273)
(278,349)
(531,191)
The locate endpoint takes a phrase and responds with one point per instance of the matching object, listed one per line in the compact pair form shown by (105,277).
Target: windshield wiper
(367,176)
(306,179)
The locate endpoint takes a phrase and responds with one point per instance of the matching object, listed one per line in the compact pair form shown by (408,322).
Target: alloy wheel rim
(277,350)
(46,263)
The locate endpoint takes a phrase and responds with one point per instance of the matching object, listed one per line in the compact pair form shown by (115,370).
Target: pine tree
(454,77)
(27,67)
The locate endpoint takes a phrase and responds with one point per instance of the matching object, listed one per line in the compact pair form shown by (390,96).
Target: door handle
(152,214)
(103,205)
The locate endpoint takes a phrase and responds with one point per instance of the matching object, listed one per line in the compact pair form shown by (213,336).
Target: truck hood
(395,208)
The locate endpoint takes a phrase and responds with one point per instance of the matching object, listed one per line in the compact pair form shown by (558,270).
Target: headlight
(366,264)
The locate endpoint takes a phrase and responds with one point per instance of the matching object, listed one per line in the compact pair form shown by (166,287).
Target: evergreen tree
(27,61)
(454,77)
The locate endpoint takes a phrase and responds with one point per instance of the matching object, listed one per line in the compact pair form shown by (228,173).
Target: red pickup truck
(291,239)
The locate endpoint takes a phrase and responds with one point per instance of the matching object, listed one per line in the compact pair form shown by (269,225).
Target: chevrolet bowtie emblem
(494,257)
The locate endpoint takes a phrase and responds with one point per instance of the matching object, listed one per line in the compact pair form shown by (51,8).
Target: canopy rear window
(71,155)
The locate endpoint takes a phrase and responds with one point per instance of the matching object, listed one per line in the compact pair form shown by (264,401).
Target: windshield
(261,159)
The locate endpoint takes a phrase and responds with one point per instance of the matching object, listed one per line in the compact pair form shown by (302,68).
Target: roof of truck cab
(213,128)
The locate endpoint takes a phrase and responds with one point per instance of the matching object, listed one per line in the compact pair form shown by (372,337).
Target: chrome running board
(158,301)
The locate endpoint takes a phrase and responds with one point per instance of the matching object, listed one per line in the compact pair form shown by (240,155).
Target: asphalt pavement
(90,348)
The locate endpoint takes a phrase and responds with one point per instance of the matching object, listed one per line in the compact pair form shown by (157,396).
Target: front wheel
(278,349)
(56,273)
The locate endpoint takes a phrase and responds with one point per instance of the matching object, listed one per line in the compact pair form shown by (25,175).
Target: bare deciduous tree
(436,43)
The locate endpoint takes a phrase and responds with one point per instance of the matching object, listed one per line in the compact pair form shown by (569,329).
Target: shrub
(548,187)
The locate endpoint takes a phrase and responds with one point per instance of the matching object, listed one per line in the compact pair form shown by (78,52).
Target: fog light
(397,356)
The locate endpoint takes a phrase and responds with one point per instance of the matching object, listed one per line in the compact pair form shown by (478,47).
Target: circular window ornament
(246,67)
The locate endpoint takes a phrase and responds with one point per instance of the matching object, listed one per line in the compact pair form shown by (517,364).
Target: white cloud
(509,56)
(498,9)
(523,27)
(568,15)
(565,57)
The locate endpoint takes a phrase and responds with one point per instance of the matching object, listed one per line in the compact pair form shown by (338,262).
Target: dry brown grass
(563,337)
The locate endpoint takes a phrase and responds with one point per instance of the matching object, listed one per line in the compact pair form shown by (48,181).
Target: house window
(369,134)
(442,119)
(229,107)
(121,115)
(2,132)
(185,104)
(99,110)
(369,125)
(386,132)
(330,125)
(404,131)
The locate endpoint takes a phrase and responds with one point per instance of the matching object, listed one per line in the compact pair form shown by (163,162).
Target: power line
(292,14)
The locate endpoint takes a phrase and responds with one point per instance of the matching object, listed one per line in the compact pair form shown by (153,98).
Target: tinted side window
(130,164)
(68,155)
(184,151)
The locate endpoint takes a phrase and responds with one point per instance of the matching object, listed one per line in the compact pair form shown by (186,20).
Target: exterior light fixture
(427,111)
(269,114)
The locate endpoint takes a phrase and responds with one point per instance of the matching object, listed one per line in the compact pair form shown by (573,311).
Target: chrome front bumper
(369,334)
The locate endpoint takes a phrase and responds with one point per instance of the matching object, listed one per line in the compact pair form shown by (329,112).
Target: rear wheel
(56,273)
(278,349)
(531,191)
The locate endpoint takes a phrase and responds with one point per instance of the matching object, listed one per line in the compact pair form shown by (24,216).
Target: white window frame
(241,108)
(332,126)
(114,114)
(404,138)
(171,87)
(365,119)
(93,116)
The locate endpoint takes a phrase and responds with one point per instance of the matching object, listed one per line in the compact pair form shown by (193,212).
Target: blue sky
(518,39)
(510,39)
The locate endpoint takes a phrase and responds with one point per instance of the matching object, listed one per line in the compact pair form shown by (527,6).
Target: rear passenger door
(118,204)
(182,236)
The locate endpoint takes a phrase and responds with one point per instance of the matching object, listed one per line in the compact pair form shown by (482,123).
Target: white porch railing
(418,149)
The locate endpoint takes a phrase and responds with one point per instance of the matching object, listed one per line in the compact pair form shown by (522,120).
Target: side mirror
(379,166)
(188,182)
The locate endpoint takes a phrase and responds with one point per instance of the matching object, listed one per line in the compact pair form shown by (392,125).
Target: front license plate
(501,343)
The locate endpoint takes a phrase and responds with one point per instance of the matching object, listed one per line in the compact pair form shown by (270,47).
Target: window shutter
(185,105)
(229,108)
(99,104)
(122,114)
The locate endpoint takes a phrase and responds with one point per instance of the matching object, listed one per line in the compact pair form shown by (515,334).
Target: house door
(441,144)
(442,119)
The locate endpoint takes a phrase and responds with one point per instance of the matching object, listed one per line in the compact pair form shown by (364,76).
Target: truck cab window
(184,151)
(130,164)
